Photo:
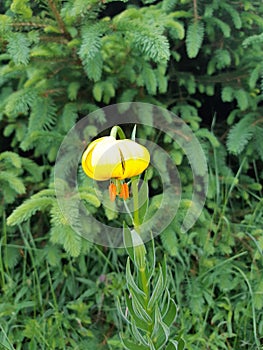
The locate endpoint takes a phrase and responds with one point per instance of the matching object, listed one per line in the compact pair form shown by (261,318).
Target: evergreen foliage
(61,60)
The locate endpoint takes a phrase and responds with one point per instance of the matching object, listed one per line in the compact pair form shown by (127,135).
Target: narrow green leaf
(130,345)
(171,314)
(164,271)
(140,323)
(143,201)
(160,332)
(127,239)
(118,303)
(133,135)
(131,281)
(139,309)
(173,345)
(151,260)
(158,290)
(137,334)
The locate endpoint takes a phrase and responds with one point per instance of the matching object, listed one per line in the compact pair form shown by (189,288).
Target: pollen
(124,193)
(112,191)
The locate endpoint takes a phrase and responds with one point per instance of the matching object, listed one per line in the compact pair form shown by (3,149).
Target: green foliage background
(61,60)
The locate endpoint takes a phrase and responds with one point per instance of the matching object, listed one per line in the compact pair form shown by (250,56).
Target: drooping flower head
(107,158)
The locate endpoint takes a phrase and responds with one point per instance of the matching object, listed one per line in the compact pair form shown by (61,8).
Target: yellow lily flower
(107,158)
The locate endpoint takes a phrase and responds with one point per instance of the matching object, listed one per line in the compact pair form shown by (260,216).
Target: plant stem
(117,130)
(144,283)
(136,220)
(135,193)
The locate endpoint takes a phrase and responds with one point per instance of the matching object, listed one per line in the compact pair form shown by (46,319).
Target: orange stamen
(112,191)
(124,191)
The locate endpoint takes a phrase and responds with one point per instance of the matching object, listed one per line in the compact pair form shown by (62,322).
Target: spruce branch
(29,24)
(59,20)
(195,10)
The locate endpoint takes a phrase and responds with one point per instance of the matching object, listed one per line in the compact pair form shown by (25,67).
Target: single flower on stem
(150,311)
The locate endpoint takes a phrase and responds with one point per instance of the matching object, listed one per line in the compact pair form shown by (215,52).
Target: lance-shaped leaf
(157,292)
(140,323)
(136,333)
(118,304)
(127,239)
(171,313)
(160,332)
(134,246)
(176,345)
(130,345)
(151,260)
(140,310)
(132,286)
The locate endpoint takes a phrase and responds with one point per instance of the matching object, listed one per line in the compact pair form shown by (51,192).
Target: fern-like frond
(11,158)
(149,79)
(144,34)
(19,102)
(73,89)
(13,181)
(176,29)
(151,42)
(43,115)
(241,95)
(43,141)
(21,8)
(32,168)
(256,75)
(205,133)
(28,209)
(240,134)
(220,60)
(233,13)
(5,24)
(169,5)
(52,254)
(90,198)
(223,26)
(74,10)
(93,67)
(70,115)
(253,40)
(227,94)
(170,241)
(258,136)
(194,38)
(90,48)
(18,48)
(67,237)
(11,256)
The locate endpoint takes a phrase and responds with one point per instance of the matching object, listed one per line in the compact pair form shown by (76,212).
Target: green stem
(135,194)
(136,220)
(117,130)
(144,283)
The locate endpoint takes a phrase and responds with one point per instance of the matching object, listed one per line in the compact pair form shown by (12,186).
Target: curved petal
(107,158)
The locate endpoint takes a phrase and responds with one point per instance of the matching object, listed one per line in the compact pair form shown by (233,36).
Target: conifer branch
(195,10)
(57,16)
(29,24)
